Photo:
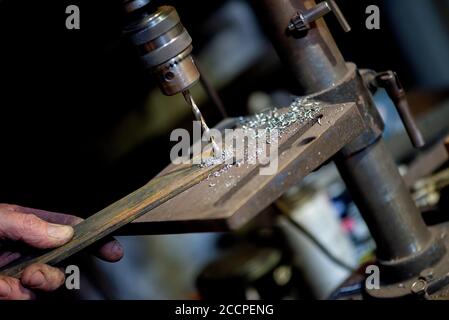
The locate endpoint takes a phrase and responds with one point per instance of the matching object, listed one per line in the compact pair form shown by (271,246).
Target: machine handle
(389,80)
(301,21)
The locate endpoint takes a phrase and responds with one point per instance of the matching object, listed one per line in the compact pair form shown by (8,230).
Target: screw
(419,287)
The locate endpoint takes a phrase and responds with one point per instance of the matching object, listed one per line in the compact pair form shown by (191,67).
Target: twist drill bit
(196,111)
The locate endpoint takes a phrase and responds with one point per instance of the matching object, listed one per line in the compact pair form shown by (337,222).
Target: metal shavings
(224,156)
(301,110)
(219,173)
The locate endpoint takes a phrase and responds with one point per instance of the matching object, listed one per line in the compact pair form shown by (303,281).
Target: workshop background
(83,124)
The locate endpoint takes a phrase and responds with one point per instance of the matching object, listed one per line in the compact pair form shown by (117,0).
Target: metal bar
(390,81)
(410,125)
(339,15)
(315,13)
(156,192)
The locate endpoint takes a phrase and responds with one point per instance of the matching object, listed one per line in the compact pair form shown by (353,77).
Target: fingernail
(59,232)
(37,279)
(5,289)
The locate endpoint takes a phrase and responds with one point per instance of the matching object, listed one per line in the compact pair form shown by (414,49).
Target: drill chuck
(165,48)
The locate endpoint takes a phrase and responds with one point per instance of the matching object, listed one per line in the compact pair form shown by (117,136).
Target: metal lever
(301,21)
(389,80)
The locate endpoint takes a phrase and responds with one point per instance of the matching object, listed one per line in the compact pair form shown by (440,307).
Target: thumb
(32,230)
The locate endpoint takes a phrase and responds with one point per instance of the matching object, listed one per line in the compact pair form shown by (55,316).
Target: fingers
(37,277)
(42,277)
(109,250)
(52,217)
(16,225)
(11,289)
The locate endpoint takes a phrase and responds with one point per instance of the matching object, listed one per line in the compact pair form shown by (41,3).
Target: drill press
(413,257)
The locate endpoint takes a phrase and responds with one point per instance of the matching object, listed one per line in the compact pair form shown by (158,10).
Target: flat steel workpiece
(157,191)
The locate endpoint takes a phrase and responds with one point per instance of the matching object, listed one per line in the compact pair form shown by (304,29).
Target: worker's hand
(44,230)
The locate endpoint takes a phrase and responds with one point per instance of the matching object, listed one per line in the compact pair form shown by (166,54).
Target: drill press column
(402,238)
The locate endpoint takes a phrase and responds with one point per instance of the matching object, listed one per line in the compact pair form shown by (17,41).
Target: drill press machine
(413,258)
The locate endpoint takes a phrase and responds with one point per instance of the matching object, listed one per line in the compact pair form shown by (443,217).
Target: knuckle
(53,277)
(31,269)
(31,224)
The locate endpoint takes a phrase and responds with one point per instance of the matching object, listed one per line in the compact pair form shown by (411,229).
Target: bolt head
(419,287)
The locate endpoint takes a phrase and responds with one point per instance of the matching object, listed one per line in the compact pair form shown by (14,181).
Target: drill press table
(230,200)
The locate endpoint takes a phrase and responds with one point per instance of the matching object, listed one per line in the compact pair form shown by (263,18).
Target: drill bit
(196,111)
